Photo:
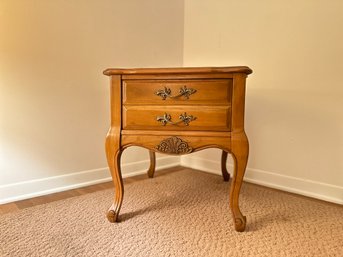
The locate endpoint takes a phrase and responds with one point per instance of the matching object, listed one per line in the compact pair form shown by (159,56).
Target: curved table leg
(240,151)
(151,169)
(113,154)
(225,173)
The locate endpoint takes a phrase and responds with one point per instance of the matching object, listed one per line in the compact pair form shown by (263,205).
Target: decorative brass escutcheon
(166,92)
(184,118)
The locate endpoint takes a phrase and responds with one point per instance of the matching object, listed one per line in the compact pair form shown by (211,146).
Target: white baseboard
(310,188)
(37,187)
(33,188)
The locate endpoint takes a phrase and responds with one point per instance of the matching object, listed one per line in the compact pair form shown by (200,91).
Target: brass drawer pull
(184,118)
(166,92)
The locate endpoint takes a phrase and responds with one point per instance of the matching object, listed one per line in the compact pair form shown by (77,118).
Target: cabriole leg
(225,173)
(240,151)
(151,170)
(113,154)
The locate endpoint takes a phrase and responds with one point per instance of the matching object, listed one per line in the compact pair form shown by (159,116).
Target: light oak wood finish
(198,71)
(207,118)
(178,111)
(225,173)
(113,148)
(152,167)
(214,91)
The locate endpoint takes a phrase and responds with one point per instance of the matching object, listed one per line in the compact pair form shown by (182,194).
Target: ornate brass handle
(166,92)
(184,118)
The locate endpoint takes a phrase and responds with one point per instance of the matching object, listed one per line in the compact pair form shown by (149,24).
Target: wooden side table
(178,111)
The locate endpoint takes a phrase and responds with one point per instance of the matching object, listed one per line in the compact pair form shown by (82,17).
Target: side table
(178,111)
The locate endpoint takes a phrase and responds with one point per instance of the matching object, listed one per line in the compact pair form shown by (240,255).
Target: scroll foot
(240,223)
(112,216)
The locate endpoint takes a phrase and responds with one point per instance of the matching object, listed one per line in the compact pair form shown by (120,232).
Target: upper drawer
(211,91)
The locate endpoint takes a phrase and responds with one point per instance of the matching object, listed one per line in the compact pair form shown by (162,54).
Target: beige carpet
(183,213)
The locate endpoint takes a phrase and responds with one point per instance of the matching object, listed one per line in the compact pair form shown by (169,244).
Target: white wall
(54,100)
(294,104)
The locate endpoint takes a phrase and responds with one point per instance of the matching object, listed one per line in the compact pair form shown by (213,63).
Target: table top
(178,70)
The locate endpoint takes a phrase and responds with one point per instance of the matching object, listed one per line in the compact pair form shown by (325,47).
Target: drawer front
(211,91)
(205,118)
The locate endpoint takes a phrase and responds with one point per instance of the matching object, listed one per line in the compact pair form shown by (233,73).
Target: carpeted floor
(184,213)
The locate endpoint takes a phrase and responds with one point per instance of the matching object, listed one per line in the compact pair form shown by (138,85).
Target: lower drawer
(206,118)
